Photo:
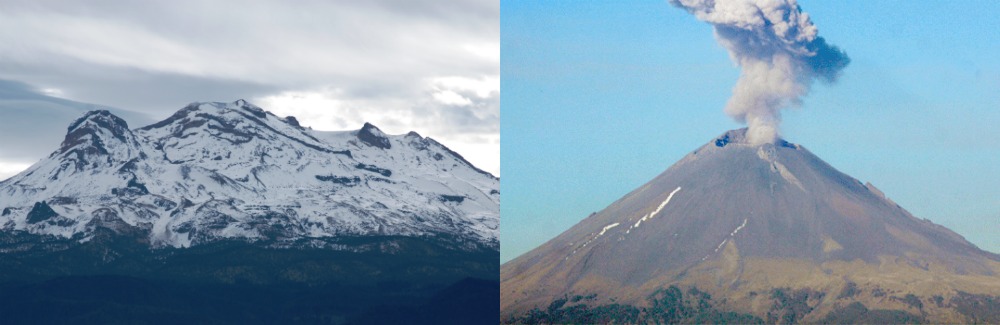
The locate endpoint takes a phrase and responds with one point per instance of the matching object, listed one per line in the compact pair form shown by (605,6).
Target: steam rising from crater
(780,54)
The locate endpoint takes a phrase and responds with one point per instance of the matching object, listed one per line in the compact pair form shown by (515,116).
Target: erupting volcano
(768,232)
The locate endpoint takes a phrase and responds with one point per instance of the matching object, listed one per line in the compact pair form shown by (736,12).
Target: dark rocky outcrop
(41,211)
(372,136)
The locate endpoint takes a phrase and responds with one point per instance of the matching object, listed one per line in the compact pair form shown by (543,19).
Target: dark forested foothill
(672,305)
(857,313)
(117,280)
(665,306)
(981,308)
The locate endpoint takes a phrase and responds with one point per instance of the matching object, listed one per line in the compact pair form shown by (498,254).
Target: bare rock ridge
(217,171)
(738,221)
(98,138)
(371,135)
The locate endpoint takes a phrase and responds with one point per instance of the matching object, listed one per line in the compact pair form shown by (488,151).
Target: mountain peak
(99,118)
(372,136)
(253,109)
(740,137)
(723,219)
(98,134)
(291,120)
(220,108)
(223,108)
(214,171)
(212,115)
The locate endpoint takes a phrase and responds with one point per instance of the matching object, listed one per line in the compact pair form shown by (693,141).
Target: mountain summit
(742,222)
(229,206)
(232,170)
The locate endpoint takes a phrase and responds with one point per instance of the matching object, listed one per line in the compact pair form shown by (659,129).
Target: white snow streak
(636,225)
(604,230)
(653,214)
(731,235)
(738,228)
(720,245)
(608,227)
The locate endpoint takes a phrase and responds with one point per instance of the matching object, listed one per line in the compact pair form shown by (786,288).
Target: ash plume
(780,54)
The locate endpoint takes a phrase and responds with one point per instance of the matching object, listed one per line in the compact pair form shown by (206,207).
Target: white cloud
(93,41)
(8,169)
(318,109)
(482,151)
(482,86)
(469,123)
(488,51)
(286,44)
(426,66)
(449,97)
(54,92)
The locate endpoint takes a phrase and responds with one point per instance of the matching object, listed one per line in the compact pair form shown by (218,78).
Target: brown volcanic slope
(736,221)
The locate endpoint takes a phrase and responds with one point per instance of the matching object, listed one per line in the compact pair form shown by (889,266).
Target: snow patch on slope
(233,170)
(607,227)
(658,208)
(731,235)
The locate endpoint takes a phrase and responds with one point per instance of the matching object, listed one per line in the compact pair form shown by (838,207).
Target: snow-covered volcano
(217,171)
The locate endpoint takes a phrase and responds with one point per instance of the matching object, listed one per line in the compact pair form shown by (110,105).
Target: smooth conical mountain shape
(750,225)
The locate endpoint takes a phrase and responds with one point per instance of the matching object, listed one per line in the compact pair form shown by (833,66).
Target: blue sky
(599,97)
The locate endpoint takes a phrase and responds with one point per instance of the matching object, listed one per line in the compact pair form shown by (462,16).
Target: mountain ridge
(233,170)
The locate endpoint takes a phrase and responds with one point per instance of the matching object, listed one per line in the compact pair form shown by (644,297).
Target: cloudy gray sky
(426,66)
